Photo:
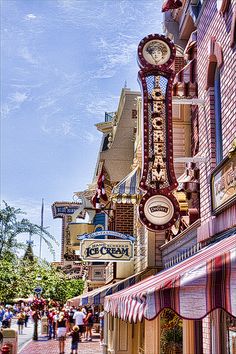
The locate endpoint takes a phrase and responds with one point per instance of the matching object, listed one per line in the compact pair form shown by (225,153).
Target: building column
(152,336)
(105,333)
(219,332)
(135,337)
(111,336)
(188,337)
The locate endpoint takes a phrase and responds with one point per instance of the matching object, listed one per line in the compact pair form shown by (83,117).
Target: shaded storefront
(200,285)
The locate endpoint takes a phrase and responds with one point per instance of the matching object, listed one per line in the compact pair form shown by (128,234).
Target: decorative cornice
(104,127)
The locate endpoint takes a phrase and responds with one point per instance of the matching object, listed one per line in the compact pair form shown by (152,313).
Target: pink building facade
(211,25)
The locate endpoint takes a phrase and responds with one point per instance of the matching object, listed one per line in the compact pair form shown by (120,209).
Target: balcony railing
(183,255)
(109,116)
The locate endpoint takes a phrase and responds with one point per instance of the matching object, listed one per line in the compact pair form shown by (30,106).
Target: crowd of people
(74,322)
(21,312)
(61,322)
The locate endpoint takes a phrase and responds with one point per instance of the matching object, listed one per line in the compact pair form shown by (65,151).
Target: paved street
(45,346)
(27,332)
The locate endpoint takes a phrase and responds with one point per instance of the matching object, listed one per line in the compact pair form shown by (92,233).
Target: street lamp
(38,291)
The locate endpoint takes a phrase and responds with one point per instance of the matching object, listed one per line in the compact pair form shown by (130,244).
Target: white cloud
(99,105)
(90,138)
(114,54)
(67,129)
(19,97)
(53,124)
(45,129)
(27,55)
(5,110)
(13,103)
(30,17)
(48,102)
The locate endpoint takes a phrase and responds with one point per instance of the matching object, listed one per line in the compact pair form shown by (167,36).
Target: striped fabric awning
(185,83)
(96,296)
(192,288)
(126,191)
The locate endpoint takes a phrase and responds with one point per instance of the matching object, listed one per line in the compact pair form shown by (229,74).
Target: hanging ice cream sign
(106,246)
(107,250)
(158,208)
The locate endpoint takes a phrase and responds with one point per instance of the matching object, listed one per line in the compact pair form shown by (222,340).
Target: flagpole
(41,236)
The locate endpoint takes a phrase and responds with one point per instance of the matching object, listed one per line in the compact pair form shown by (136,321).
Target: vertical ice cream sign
(158,209)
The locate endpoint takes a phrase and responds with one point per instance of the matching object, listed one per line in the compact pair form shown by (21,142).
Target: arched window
(218,123)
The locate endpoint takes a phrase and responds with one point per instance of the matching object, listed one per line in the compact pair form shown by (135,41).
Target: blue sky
(63,64)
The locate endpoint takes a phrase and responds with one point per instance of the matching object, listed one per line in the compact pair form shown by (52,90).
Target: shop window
(231,334)
(218,122)
(171,332)
(98,274)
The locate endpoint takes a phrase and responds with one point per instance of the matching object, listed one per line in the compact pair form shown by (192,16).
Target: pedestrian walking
(50,323)
(55,318)
(2,311)
(7,318)
(20,321)
(71,318)
(89,319)
(61,326)
(79,317)
(27,316)
(35,317)
(101,322)
(75,339)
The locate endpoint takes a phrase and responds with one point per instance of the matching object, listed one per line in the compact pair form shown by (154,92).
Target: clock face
(156,52)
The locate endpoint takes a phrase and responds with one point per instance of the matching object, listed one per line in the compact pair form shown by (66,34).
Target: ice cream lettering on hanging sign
(156,53)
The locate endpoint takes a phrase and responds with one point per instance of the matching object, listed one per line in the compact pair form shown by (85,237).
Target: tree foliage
(11,227)
(19,278)
(19,275)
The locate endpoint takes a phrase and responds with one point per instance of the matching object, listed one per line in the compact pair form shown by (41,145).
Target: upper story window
(218,121)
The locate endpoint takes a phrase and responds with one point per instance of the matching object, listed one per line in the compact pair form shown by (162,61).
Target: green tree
(8,279)
(53,281)
(18,276)
(11,227)
(74,287)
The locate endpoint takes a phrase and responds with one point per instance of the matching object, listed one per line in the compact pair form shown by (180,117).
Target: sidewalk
(27,332)
(45,346)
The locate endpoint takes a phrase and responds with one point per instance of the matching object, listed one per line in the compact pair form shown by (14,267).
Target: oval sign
(159,210)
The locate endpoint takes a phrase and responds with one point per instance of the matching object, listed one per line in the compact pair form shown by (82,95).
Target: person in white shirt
(84,310)
(55,319)
(79,317)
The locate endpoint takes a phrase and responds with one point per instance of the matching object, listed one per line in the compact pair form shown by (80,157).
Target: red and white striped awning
(192,288)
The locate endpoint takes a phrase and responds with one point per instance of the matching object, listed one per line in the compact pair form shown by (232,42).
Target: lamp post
(38,291)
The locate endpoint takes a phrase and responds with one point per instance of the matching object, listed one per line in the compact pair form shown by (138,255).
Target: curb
(24,345)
